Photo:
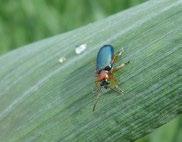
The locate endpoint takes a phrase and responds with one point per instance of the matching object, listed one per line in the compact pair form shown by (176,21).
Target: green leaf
(44,100)
(168,132)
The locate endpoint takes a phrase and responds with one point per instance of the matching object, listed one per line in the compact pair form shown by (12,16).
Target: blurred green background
(26,21)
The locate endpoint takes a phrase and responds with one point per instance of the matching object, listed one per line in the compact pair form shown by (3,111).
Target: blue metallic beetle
(104,70)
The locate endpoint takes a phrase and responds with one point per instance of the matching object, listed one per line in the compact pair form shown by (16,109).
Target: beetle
(105,70)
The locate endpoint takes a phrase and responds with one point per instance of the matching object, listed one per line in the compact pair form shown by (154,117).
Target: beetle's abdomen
(105,57)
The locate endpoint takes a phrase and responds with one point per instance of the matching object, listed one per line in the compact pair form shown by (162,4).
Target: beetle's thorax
(103,75)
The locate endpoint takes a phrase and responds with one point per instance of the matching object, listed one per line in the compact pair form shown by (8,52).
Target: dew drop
(80,49)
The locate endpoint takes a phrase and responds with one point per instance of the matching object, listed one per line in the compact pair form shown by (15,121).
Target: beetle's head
(103,78)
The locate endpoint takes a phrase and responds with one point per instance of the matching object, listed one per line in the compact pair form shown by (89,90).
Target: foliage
(43,100)
(25,21)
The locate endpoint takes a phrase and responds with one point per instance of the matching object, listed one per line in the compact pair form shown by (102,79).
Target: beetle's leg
(120,67)
(114,84)
(97,84)
(117,55)
(113,80)
(117,89)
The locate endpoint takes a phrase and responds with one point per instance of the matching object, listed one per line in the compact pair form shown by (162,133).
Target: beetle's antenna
(97,99)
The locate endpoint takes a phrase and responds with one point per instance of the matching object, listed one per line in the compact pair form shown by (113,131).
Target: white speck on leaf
(62,59)
(80,49)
